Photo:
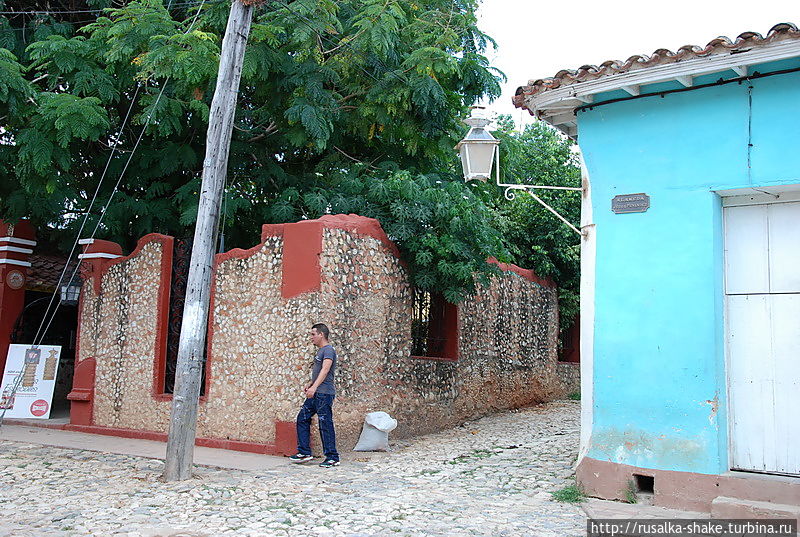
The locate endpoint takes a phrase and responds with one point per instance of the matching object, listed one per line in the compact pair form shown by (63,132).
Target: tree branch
(272,128)
(368,165)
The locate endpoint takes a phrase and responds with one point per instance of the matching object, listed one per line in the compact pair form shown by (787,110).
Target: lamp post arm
(546,206)
(510,188)
(510,193)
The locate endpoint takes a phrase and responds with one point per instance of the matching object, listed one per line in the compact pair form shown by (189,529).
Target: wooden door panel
(784,248)
(785,309)
(746,246)
(750,372)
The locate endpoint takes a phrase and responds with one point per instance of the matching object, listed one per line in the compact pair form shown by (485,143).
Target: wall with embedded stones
(341,270)
(122,321)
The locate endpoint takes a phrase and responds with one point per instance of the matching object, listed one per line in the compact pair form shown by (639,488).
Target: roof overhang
(557,106)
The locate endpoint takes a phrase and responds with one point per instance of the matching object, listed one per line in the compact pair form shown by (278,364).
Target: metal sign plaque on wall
(630,203)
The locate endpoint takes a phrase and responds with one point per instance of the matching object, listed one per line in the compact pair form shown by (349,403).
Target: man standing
(319,393)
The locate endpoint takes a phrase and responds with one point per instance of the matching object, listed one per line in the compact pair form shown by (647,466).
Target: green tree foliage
(442,228)
(540,155)
(345,106)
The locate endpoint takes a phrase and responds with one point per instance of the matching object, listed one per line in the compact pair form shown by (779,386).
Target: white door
(762,293)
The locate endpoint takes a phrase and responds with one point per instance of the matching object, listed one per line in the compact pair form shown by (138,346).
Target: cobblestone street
(491,477)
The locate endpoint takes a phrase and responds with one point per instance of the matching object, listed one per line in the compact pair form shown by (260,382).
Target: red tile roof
(45,270)
(720,45)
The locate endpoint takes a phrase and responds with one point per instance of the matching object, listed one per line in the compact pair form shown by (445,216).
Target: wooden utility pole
(183,421)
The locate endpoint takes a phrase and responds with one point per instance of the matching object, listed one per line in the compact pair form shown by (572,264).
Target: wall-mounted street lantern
(479,150)
(70,294)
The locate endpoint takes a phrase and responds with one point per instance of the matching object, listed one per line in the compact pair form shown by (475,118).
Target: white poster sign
(36,370)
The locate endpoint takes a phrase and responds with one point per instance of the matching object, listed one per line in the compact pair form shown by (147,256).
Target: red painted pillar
(95,254)
(16,246)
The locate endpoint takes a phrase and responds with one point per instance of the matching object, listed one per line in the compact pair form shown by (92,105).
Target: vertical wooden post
(183,421)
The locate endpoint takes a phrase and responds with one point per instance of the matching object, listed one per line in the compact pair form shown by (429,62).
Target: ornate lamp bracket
(511,194)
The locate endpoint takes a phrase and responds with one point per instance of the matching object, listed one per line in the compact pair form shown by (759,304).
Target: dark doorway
(181,255)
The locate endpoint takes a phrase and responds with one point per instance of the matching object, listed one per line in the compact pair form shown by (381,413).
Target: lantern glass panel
(463,152)
(480,157)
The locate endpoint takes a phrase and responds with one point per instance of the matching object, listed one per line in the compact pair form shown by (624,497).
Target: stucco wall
(263,305)
(659,366)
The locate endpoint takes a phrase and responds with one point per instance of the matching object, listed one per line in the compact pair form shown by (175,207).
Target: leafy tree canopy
(345,106)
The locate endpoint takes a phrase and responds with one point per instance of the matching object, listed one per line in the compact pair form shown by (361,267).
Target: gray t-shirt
(324,353)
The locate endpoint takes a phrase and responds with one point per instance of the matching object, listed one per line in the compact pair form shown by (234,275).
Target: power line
(85,219)
(348,44)
(45,12)
(39,334)
(119,180)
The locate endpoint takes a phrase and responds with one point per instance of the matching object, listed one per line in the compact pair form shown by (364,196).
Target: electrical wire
(116,185)
(86,217)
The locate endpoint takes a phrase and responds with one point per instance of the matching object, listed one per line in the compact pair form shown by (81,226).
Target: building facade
(691,271)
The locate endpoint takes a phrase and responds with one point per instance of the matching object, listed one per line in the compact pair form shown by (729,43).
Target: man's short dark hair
(322,329)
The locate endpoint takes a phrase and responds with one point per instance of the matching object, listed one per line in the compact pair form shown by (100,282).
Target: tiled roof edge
(722,44)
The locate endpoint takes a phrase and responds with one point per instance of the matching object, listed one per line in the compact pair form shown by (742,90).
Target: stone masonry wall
(260,354)
(119,329)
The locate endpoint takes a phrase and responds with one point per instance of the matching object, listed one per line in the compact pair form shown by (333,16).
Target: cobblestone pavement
(492,477)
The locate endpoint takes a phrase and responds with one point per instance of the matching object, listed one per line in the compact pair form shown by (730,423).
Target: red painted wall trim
(82,394)
(571,351)
(162,316)
(271,230)
(451,328)
(528,274)
(81,408)
(85,271)
(302,246)
(22,230)
(12,301)
(361,225)
(219,258)
(219,443)
(141,243)
(452,325)
(434,358)
(99,246)
(101,267)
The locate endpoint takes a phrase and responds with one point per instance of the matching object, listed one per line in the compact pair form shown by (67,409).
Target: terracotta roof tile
(45,271)
(662,56)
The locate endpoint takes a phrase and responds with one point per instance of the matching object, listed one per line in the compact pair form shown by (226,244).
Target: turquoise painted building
(690,342)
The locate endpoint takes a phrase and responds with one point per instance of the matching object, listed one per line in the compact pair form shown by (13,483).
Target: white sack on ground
(375,434)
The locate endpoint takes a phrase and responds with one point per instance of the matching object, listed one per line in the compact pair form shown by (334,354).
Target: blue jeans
(321,405)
